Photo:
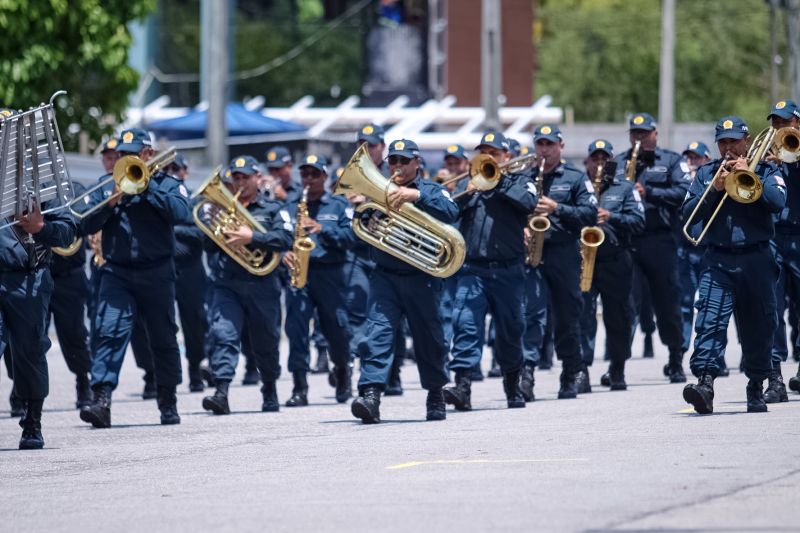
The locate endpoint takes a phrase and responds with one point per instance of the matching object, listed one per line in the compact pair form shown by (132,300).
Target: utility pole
(491,63)
(666,78)
(773,59)
(216,82)
(793,30)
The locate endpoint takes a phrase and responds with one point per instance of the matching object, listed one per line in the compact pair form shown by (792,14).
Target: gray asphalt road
(634,460)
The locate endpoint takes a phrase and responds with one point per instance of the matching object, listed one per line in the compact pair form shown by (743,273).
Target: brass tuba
(538,225)
(226,213)
(67,251)
(302,247)
(406,233)
(591,238)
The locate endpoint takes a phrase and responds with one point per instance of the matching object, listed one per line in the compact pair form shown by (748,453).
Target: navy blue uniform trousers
(786,248)
(415,296)
(68,309)
(690,266)
(191,290)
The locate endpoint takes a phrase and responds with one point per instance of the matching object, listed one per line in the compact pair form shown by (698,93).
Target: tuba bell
(406,233)
(219,211)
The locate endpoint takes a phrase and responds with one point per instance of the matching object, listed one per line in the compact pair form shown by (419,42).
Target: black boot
(568,389)
(367,405)
(434,405)
(582,383)
(460,396)
(168,405)
(776,390)
(676,374)
(196,383)
(395,385)
(526,382)
(794,382)
(514,398)
(648,346)
(218,403)
(83,392)
(31,423)
(269,395)
(605,379)
(16,404)
(344,387)
(616,377)
(149,392)
(494,371)
(755,396)
(322,361)
(99,413)
(299,392)
(701,395)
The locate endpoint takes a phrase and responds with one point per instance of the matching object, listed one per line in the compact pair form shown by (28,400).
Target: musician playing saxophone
(240,301)
(328,224)
(399,290)
(620,214)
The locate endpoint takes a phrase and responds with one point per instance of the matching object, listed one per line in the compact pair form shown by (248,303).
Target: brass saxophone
(630,168)
(591,238)
(302,247)
(538,225)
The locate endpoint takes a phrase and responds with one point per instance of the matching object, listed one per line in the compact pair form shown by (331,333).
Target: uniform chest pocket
(559,193)
(656,176)
(611,202)
(327,218)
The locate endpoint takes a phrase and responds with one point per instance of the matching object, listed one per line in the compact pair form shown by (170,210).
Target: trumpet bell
(787,141)
(484,173)
(131,175)
(743,186)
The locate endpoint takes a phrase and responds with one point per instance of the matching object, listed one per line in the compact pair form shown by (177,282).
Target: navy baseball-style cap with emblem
(785,109)
(513,147)
(730,127)
(278,157)
(642,121)
(245,164)
(316,161)
(371,133)
(699,148)
(455,150)
(109,146)
(133,140)
(601,145)
(404,148)
(180,162)
(493,140)
(549,132)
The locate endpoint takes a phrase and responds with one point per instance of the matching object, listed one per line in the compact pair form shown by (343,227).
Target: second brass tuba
(220,211)
(406,233)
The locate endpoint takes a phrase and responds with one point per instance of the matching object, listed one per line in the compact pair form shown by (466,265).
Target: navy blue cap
(601,145)
(109,145)
(513,146)
(133,140)
(642,121)
(278,157)
(549,132)
(785,109)
(730,127)
(494,140)
(245,164)
(404,148)
(180,162)
(371,133)
(699,148)
(455,150)
(317,161)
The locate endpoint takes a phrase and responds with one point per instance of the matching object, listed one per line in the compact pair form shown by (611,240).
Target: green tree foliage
(601,57)
(80,46)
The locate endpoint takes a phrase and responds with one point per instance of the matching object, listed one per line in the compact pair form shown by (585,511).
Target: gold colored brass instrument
(742,185)
(406,233)
(484,173)
(538,225)
(630,168)
(591,238)
(302,247)
(227,214)
(70,250)
(131,175)
(787,144)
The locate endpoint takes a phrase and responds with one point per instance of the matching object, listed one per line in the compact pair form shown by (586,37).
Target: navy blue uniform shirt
(492,222)
(138,231)
(336,236)
(188,238)
(665,185)
(788,220)
(15,256)
(577,205)
(626,214)
(737,225)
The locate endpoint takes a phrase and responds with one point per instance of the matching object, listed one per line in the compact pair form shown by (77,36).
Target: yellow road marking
(412,464)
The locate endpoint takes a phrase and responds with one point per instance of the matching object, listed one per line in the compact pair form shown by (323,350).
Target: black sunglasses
(398,160)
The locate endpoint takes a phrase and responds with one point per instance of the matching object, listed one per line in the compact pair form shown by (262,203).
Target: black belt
(739,249)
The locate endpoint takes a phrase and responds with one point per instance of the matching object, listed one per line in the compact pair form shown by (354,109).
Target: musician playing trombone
(739,270)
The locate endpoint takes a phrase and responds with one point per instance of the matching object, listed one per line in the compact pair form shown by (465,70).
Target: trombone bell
(743,186)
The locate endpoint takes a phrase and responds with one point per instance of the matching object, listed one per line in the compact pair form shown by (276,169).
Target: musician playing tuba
(620,214)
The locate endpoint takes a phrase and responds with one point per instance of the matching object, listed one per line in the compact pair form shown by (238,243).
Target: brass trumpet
(302,247)
(538,225)
(591,239)
(484,173)
(786,144)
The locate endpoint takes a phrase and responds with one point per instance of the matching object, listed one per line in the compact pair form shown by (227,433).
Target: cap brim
(643,127)
(737,135)
(319,167)
(276,164)
(404,153)
(604,150)
(130,147)
(371,139)
(781,113)
(492,145)
(245,171)
(549,136)
(456,155)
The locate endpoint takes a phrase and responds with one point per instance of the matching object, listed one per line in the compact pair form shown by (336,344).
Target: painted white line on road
(412,464)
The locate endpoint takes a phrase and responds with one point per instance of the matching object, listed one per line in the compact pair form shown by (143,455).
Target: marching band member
(138,280)
(492,224)
(568,200)
(739,271)
(620,214)
(399,290)
(243,303)
(328,224)
(661,178)
(279,167)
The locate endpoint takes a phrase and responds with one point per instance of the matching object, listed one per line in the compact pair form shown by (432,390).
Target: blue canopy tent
(239,121)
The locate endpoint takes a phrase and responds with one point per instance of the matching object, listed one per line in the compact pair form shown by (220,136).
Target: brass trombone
(742,185)
(131,175)
(484,173)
